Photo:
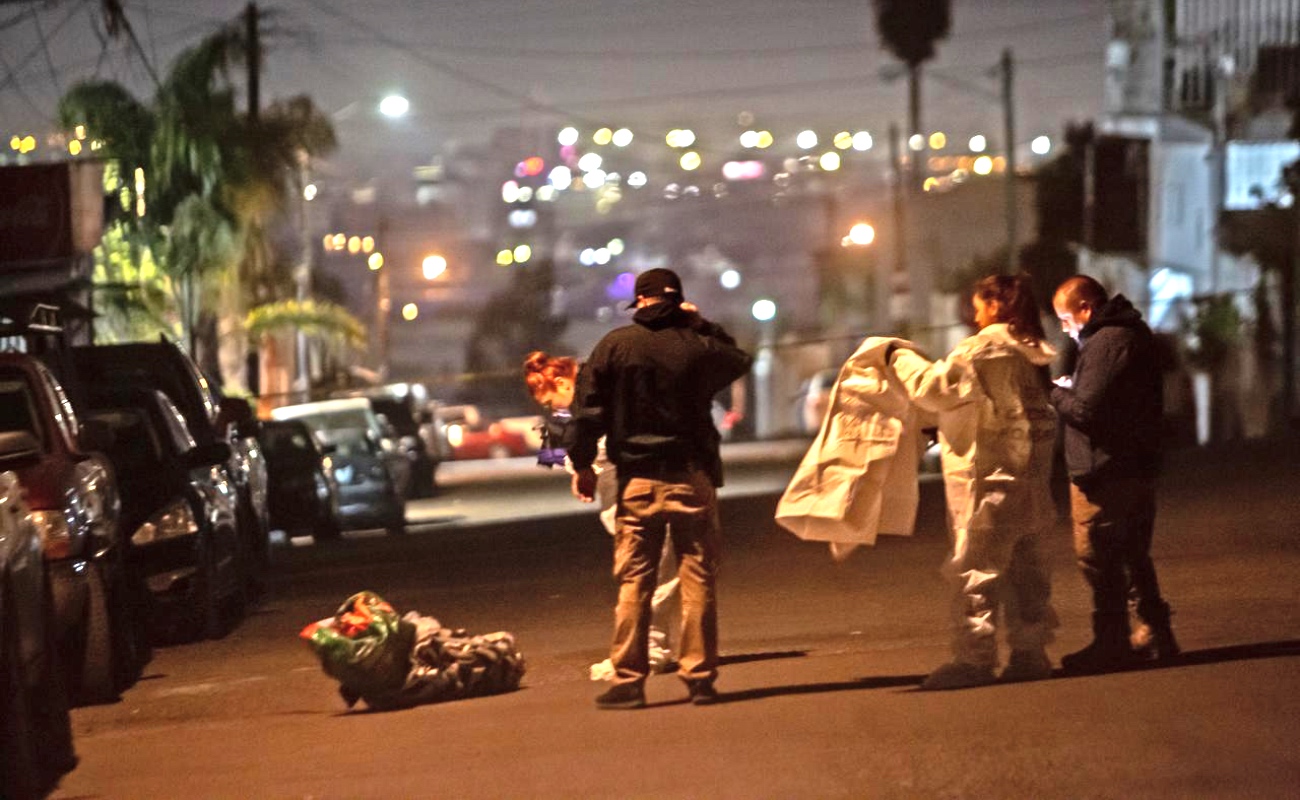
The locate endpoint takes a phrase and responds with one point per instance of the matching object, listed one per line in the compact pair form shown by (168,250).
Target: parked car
(178,512)
(485,440)
(35,731)
(363,459)
(163,365)
(398,406)
(303,492)
(73,496)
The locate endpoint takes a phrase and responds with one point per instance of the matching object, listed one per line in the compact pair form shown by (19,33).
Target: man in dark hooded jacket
(1111,411)
(648,388)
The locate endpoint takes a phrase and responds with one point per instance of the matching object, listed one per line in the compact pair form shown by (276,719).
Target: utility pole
(902,184)
(254,59)
(383,300)
(1009,133)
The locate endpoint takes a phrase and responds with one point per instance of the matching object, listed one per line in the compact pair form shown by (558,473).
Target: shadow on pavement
(745,658)
(875,682)
(1210,655)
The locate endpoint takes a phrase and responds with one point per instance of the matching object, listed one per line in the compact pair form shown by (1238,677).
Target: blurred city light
(594,179)
(74,147)
(983,165)
(978,143)
(601,256)
(862,233)
(862,141)
(636,179)
(79,131)
(690,160)
(590,161)
(505,258)
(367,244)
(546,194)
(616,247)
(843,140)
(522,253)
(830,161)
(622,137)
(354,244)
(916,142)
(806,140)
(561,178)
(376,261)
(434,266)
(308,191)
(525,194)
(394,106)
(730,279)
(1041,145)
(930,184)
(680,138)
(749,139)
(603,136)
(764,310)
(568,137)
(938,140)
(587,257)
(743,170)
(509,191)
(522,217)
(340,241)
(765,140)
(410,312)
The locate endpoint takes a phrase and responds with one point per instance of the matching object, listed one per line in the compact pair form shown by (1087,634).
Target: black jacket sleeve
(1106,357)
(593,397)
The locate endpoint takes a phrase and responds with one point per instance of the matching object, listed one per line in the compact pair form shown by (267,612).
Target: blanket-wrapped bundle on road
(393,661)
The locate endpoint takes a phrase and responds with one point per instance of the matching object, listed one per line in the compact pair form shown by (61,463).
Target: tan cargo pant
(682,505)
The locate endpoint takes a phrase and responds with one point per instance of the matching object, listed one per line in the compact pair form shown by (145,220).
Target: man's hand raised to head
(584,485)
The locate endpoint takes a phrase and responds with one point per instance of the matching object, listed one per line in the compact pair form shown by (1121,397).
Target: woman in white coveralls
(996,432)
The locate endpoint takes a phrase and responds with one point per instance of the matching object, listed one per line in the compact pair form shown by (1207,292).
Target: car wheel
(205,612)
(326,529)
(19,769)
(96,679)
(131,648)
(51,707)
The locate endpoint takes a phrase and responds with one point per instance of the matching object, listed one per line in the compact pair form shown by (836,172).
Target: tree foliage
(910,28)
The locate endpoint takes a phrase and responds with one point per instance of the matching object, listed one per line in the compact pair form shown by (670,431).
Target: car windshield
(348,441)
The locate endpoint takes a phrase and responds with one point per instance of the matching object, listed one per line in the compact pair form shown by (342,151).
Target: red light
(534,165)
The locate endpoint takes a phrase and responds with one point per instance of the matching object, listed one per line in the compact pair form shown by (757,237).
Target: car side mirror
(206,455)
(94,435)
(19,445)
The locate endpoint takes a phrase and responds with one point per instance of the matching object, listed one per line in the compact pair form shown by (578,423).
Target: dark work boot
(1108,652)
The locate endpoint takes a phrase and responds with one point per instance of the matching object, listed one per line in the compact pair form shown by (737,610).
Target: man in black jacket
(1111,411)
(648,388)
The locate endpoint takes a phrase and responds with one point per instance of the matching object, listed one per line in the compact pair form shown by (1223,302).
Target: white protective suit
(996,432)
(859,476)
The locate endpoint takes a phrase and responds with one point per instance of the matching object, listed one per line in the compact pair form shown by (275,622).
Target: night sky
(469,67)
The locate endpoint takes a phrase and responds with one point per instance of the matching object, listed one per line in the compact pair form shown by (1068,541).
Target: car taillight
(56,534)
(175,520)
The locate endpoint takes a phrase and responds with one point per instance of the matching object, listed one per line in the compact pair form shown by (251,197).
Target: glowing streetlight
(434,266)
(410,311)
(983,165)
(860,234)
(376,261)
(978,143)
(394,106)
(763,310)
(806,140)
(1041,145)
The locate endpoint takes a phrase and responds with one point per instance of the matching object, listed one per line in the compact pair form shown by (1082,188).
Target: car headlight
(175,520)
(56,534)
(455,435)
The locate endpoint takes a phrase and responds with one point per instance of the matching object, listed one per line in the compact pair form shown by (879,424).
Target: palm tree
(214,180)
(909,30)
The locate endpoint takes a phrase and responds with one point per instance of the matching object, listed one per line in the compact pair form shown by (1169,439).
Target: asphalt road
(821,664)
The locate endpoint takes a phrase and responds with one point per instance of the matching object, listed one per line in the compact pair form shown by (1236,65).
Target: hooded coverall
(996,433)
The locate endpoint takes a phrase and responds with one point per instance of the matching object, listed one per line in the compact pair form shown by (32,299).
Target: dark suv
(164,366)
(178,510)
(73,496)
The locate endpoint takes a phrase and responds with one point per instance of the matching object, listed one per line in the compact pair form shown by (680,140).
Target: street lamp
(434,266)
(394,106)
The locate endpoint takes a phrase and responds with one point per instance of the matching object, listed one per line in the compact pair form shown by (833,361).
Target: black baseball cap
(658,282)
